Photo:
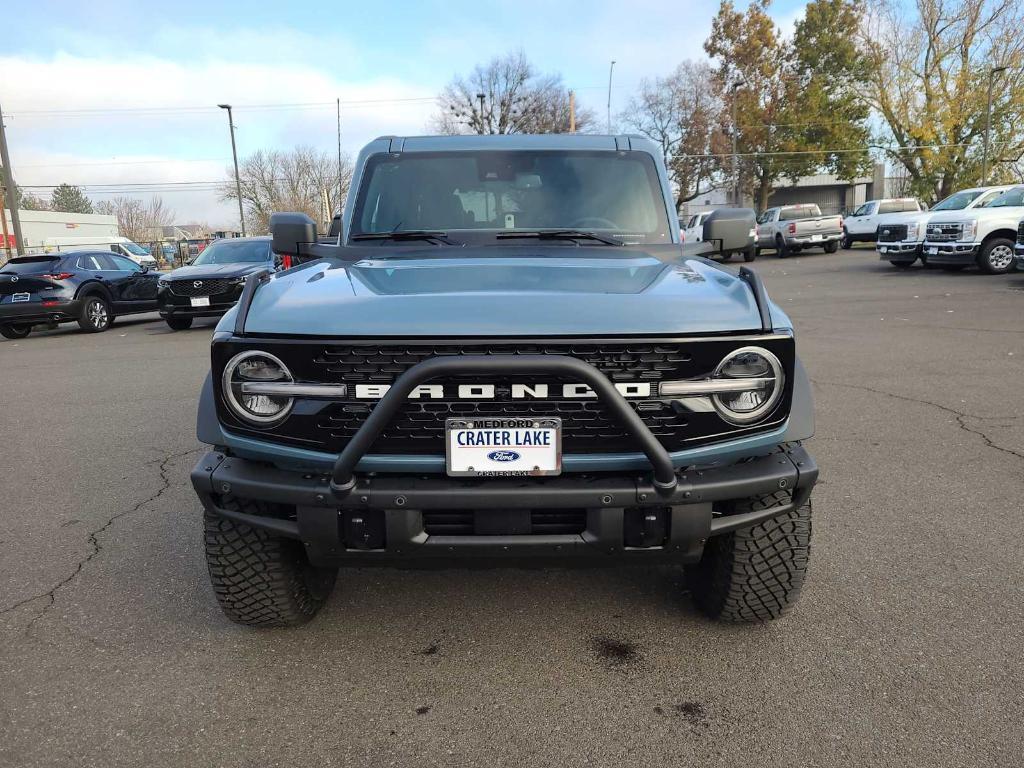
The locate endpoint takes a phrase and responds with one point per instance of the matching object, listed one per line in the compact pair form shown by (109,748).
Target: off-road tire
(179,323)
(847,240)
(15,331)
(262,580)
(755,573)
(832,246)
(999,249)
(96,315)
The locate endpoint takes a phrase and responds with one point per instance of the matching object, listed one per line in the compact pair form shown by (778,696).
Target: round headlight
(254,368)
(762,371)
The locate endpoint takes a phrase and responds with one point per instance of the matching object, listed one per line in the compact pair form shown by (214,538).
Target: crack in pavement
(94,543)
(960,416)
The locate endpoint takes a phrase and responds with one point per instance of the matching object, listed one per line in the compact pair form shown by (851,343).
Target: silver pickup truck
(791,228)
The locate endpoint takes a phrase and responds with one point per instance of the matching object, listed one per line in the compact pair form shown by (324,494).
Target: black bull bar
(343,479)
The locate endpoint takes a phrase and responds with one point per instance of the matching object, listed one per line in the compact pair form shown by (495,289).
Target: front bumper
(904,251)
(306,509)
(950,252)
(171,305)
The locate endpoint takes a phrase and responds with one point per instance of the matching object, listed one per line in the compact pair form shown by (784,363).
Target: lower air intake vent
(504,522)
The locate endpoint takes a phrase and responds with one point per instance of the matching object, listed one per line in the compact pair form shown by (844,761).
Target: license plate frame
(20,298)
(200,301)
(542,460)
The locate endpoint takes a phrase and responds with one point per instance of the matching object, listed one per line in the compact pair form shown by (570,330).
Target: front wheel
(262,580)
(95,317)
(755,573)
(179,323)
(15,331)
(847,240)
(996,256)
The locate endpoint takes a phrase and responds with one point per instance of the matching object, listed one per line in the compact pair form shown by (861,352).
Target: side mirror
(730,229)
(288,230)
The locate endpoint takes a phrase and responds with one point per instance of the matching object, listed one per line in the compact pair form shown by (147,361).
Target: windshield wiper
(562,234)
(438,235)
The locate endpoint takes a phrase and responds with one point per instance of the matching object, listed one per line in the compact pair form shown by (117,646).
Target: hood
(520,292)
(200,271)
(1008,213)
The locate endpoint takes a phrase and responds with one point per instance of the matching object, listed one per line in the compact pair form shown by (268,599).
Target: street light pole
(988,123)
(481,97)
(8,181)
(611,69)
(234,156)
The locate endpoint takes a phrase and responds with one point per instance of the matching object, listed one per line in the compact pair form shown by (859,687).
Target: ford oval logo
(503,456)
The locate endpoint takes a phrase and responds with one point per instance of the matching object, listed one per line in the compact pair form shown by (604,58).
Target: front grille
(1020,233)
(892,233)
(943,233)
(587,426)
(549,522)
(209,287)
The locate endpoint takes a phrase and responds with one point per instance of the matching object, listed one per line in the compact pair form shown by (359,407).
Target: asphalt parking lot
(905,648)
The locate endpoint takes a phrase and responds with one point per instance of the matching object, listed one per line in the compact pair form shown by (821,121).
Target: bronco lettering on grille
(488,391)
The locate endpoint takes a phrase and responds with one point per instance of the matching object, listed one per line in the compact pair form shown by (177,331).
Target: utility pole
(3,219)
(988,123)
(340,185)
(234,156)
(572,111)
(735,158)
(611,69)
(8,182)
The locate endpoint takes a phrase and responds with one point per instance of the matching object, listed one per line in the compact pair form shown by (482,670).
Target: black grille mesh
(443,522)
(1020,233)
(208,287)
(943,233)
(892,233)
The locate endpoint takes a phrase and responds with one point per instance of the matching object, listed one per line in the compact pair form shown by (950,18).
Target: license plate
(503,447)
(932,251)
(815,237)
(20,297)
(201,301)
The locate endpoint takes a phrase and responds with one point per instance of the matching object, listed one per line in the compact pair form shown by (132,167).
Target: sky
(125,93)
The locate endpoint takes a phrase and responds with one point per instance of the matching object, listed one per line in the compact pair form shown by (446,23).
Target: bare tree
(304,179)
(507,95)
(929,80)
(136,220)
(679,113)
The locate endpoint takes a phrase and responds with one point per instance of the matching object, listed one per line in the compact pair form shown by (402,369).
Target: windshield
(958,201)
(132,248)
(234,252)
(497,192)
(32,265)
(1011,198)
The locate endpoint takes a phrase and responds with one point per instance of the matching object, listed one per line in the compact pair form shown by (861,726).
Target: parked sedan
(212,282)
(87,287)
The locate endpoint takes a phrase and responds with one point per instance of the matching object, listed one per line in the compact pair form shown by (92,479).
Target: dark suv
(212,282)
(90,287)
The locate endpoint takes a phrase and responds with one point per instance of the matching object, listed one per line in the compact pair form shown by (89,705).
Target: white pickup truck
(862,225)
(900,241)
(984,234)
(791,228)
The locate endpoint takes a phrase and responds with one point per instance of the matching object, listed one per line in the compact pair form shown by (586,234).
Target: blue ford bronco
(502,355)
